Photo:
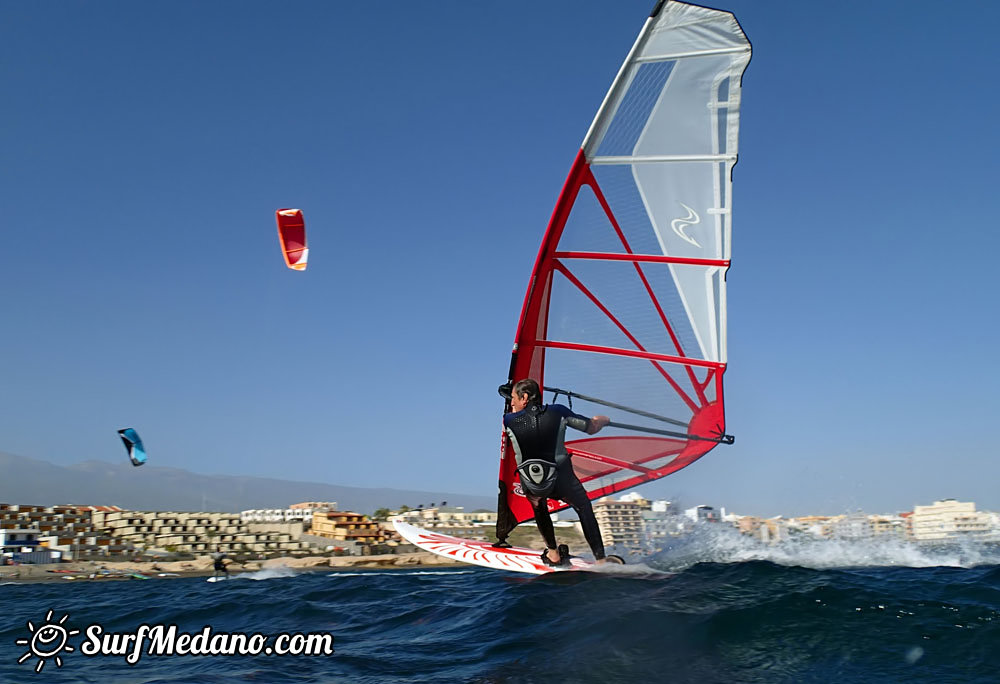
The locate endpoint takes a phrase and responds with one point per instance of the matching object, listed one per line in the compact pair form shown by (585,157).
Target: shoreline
(97,571)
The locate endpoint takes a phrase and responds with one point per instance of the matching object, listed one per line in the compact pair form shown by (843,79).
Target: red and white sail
(626,306)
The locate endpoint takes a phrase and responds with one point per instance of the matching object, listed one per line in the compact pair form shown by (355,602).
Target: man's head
(525,392)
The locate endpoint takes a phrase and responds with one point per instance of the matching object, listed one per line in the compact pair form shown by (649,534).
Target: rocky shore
(202,566)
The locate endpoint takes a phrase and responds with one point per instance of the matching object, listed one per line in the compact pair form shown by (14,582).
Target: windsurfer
(536,433)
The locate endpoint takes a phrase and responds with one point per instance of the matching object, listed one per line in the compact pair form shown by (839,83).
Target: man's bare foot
(553,555)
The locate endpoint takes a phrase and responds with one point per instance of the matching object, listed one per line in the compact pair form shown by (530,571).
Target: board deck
(483,553)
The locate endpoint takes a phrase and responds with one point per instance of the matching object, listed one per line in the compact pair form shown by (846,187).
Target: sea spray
(721,543)
(276,572)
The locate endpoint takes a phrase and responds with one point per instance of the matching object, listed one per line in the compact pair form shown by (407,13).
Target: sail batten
(607,460)
(632,353)
(645,59)
(627,297)
(651,258)
(656,159)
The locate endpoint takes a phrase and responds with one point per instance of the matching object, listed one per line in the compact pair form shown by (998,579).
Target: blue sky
(146,147)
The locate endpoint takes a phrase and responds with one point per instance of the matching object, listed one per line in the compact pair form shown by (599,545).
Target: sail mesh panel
(635,108)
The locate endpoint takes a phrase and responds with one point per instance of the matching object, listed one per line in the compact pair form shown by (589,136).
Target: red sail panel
(608,333)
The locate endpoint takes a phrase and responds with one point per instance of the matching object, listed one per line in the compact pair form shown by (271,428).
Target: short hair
(529,387)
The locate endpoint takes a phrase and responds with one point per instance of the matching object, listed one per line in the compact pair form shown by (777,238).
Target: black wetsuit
(538,432)
(220,564)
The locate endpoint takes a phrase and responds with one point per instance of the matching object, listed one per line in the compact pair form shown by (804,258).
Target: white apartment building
(664,506)
(852,527)
(886,526)
(621,523)
(702,513)
(950,520)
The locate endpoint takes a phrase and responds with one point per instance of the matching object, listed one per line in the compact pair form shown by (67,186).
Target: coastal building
(774,530)
(950,520)
(994,526)
(664,506)
(661,522)
(295,529)
(748,525)
(90,509)
(767,530)
(888,526)
(908,520)
(702,513)
(621,523)
(13,536)
(279,515)
(459,516)
(316,505)
(451,520)
(852,527)
(820,526)
(66,531)
(21,545)
(346,527)
(194,532)
(638,499)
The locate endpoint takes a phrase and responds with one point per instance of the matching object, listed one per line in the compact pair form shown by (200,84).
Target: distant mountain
(152,488)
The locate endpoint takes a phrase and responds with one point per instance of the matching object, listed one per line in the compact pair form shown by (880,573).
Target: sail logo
(47,640)
(679,224)
(50,639)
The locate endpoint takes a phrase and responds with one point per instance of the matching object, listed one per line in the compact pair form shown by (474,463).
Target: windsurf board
(483,553)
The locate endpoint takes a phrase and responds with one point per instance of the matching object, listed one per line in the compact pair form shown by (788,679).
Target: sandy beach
(202,567)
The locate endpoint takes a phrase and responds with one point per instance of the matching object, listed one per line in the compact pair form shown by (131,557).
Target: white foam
(720,543)
(276,572)
(629,569)
(407,573)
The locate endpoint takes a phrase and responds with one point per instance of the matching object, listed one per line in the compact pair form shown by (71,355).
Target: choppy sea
(716,608)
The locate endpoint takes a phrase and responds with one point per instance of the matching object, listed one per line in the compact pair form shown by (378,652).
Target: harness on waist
(536,435)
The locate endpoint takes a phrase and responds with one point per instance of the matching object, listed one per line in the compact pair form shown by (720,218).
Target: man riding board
(537,434)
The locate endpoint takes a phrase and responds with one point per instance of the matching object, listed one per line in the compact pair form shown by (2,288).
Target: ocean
(716,608)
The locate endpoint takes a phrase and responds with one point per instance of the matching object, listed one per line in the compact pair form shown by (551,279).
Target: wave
(278,572)
(716,543)
(725,620)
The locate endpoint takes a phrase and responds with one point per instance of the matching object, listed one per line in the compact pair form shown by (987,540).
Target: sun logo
(47,641)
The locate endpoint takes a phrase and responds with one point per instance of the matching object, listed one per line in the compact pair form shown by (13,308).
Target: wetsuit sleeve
(574,420)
